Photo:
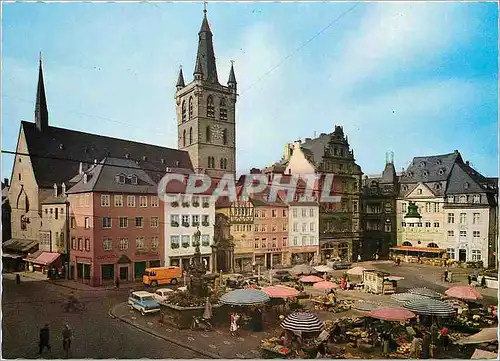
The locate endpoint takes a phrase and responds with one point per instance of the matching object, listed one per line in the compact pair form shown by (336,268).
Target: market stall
(310,279)
(247,303)
(405,297)
(426,292)
(302,269)
(429,308)
(466,293)
(376,282)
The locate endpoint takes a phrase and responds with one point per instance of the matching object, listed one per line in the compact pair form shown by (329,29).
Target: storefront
(336,250)
(410,252)
(303,255)
(42,262)
(243,262)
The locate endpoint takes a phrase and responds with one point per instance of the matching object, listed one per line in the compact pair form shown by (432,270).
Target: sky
(412,78)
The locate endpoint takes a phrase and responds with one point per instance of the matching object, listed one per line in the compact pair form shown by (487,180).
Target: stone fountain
(197,284)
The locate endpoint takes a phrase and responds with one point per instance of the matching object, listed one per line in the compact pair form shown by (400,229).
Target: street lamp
(412,216)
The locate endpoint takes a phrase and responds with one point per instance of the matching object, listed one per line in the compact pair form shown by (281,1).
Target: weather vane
(205,6)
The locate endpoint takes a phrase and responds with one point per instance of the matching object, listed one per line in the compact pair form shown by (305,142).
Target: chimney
(80,171)
(55,190)
(63,187)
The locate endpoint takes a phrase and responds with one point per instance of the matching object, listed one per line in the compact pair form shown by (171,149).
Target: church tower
(206,112)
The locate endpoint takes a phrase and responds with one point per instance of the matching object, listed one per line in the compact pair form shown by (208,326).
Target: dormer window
(419,191)
(425,173)
(438,162)
(120,178)
(451,199)
(437,186)
(441,171)
(183,111)
(132,179)
(466,185)
(223,109)
(422,164)
(210,107)
(405,188)
(410,174)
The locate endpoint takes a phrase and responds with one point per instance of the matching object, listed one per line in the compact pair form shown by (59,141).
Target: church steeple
(180,80)
(206,55)
(231,83)
(41,112)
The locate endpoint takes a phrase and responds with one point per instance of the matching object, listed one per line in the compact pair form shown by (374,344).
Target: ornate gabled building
(339,222)
(379,211)
(206,112)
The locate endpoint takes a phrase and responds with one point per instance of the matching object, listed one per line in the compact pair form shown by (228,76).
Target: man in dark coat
(426,345)
(44,338)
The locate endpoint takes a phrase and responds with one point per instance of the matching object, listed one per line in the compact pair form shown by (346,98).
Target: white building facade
(182,220)
(303,226)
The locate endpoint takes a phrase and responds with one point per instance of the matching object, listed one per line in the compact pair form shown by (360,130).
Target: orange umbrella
(310,279)
(391,314)
(463,293)
(280,292)
(326,285)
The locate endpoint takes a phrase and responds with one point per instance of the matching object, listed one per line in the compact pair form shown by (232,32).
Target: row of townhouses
(88,204)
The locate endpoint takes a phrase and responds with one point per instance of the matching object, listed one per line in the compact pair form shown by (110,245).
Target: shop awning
(45,258)
(12,255)
(418,249)
(19,245)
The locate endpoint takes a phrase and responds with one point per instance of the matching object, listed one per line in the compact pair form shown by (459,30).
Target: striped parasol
(429,307)
(405,297)
(365,306)
(423,291)
(244,297)
(463,293)
(302,322)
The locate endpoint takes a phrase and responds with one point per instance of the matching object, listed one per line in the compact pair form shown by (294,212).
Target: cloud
(394,37)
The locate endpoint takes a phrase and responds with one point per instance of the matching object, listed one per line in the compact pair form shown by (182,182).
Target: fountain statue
(197,284)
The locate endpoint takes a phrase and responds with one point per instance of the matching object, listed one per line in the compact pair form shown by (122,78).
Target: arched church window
(211,162)
(225,163)
(184,138)
(190,107)
(210,107)
(183,111)
(221,163)
(224,136)
(223,109)
(207,134)
(190,135)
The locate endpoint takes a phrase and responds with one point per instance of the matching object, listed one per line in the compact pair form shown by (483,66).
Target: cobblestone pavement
(28,306)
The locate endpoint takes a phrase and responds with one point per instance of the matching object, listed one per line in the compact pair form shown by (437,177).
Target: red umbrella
(391,314)
(310,279)
(463,293)
(326,285)
(280,292)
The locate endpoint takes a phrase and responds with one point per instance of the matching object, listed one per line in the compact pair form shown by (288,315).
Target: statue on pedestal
(197,285)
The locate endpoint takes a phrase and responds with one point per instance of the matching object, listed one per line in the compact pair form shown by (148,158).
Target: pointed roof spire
(41,111)
(198,70)
(232,77)
(205,54)
(180,80)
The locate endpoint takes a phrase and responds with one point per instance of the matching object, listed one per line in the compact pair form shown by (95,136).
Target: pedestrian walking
(233,327)
(117,282)
(416,346)
(67,336)
(469,279)
(446,275)
(18,278)
(483,282)
(475,274)
(450,277)
(445,338)
(359,258)
(44,338)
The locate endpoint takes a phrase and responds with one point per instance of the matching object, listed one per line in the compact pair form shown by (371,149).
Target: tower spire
(206,54)
(41,111)
(232,78)
(180,80)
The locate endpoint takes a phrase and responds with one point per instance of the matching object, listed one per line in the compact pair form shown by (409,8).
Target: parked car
(340,265)
(161,294)
(144,302)
(282,275)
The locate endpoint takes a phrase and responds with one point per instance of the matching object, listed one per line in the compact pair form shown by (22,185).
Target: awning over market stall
(418,249)
(463,293)
(311,279)
(405,297)
(429,307)
(44,258)
(325,285)
(302,322)
(356,271)
(423,291)
(391,314)
(19,245)
(323,269)
(244,297)
(485,335)
(280,292)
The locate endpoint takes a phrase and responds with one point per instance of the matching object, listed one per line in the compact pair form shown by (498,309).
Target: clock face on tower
(217,132)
